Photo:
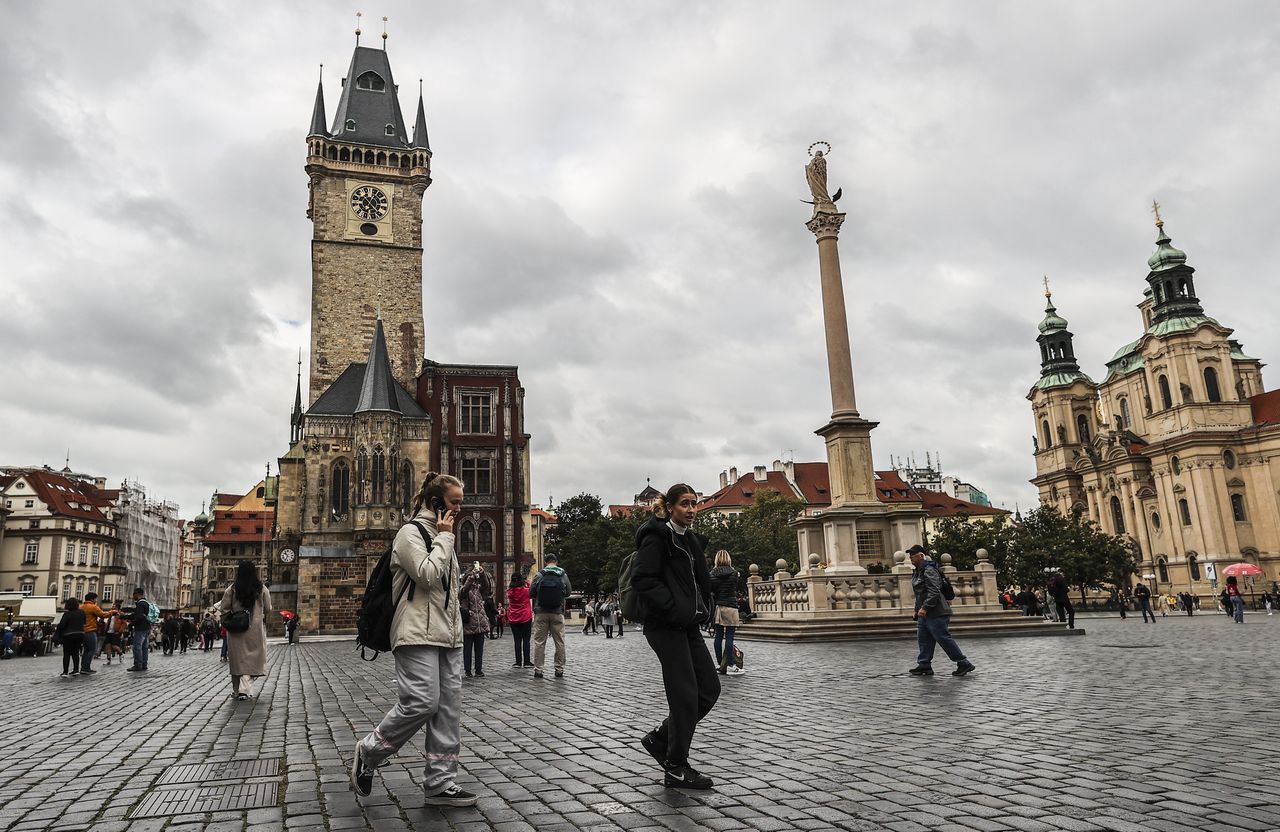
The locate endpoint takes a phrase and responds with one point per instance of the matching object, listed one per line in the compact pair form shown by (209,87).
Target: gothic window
(1117,515)
(379,474)
(371,81)
(477,476)
(476,413)
(1211,385)
(1185,511)
(406,485)
(345,155)
(484,538)
(1046,436)
(362,474)
(1082,428)
(340,488)
(1126,420)
(1162,569)
(1166,398)
(467,537)
(1237,508)
(1193,566)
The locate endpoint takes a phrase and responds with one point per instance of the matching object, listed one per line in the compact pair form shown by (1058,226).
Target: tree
(961,537)
(761,534)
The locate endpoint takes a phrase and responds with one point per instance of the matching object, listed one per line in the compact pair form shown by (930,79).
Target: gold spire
(1155,209)
(358,16)
(1047,294)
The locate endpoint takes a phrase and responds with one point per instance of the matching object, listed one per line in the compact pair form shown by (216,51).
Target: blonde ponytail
(434,485)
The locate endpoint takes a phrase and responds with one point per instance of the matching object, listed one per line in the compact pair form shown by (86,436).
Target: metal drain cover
(166,802)
(232,770)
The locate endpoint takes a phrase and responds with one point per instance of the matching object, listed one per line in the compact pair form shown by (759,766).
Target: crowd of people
(1054,601)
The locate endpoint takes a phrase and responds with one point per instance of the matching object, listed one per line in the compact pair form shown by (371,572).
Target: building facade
(1178,447)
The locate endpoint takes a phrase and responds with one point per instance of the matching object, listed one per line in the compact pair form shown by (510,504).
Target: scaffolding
(150,542)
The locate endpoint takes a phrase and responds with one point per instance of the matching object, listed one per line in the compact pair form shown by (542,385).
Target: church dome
(1053,322)
(1166,256)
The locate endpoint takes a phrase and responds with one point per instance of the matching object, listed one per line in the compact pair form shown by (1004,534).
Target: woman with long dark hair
(671,578)
(71,632)
(246,648)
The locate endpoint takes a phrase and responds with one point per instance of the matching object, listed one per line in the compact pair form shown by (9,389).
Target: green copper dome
(1052,322)
(1166,256)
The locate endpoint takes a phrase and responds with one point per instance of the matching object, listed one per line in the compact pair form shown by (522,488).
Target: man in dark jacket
(1142,595)
(670,577)
(933,616)
(141,631)
(1059,591)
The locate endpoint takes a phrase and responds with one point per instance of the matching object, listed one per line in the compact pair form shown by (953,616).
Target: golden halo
(815,144)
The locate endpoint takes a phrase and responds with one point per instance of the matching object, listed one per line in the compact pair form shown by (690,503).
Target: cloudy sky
(616,208)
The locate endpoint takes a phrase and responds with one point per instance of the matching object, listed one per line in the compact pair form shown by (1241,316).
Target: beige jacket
(425,620)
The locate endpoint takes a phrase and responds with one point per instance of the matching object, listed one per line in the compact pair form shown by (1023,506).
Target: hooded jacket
(537,582)
(926,583)
(724,586)
(428,618)
(670,575)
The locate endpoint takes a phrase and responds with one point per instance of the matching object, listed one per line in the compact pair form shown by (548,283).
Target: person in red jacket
(520,617)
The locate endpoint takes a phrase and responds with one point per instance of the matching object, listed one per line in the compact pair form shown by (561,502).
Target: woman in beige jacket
(426,642)
(247,651)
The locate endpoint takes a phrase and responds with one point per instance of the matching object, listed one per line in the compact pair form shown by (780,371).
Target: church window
(371,81)
(477,413)
(379,474)
(1166,398)
(484,538)
(332,153)
(1229,459)
(1193,566)
(467,537)
(340,488)
(1117,515)
(1082,427)
(1162,569)
(1237,508)
(1155,521)
(1175,464)
(1211,384)
(1046,436)
(351,124)
(406,485)
(345,155)
(477,476)
(362,474)
(1184,509)
(1126,420)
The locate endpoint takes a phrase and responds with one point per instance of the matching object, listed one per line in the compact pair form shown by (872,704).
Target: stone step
(984,624)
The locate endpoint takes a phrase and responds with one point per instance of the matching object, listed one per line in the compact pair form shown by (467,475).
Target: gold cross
(1047,293)
(1155,209)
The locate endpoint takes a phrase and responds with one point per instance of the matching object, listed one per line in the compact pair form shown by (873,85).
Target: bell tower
(367,176)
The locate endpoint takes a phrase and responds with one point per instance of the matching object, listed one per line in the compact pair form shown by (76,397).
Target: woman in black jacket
(670,577)
(724,594)
(71,632)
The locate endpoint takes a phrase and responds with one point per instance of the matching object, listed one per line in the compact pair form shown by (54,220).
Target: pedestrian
(116,632)
(169,629)
(1122,600)
(1142,594)
(246,648)
(932,616)
(71,632)
(1059,590)
(141,621)
(589,618)
(426,644)
(208,633)
(92,614)
(617,616)
(186,633)
(475,621)
(499,628)
(670,577)
(222,633)
(724,597)
(520,616)
(549,591)
(1266,603)
(291,629)
(1235,599)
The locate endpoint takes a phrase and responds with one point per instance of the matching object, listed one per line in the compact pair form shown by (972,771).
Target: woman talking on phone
(670,576)
(426,642)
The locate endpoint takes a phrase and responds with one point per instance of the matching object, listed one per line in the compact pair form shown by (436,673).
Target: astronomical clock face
(369,203)
(287,556)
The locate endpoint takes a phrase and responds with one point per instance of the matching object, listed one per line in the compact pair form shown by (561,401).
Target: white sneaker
(734,671)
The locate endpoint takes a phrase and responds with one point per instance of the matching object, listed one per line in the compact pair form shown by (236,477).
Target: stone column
(825,226)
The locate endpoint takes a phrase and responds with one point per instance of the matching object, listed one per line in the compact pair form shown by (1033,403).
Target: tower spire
(420,123)
(318,124)
(384,33)
(1058,365)
(1172,281)
(295,422)
(358,16)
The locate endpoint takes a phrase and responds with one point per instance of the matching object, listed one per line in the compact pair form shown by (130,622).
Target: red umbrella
(1242,570)
(288,614)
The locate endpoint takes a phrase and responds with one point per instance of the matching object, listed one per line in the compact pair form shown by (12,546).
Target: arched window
(1229,459)
(340,487)
(1082,428)
(1155,522)
(1126,420)
(1117,515)
(371,81)
(1211,385)
(362,475)
(1185,511)
(484,540)
(379,475)
(467,537)
(332,153)
(1176,465)
(1166,398)
(1237,508)
(406,485)
(1193,566)
(1162,569)
(1046,435)
(345,155)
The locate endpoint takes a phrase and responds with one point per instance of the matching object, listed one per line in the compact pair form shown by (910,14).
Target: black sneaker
(361,775)
(656,747)
(480,673)
(963,668)
(559,674)
(528,664)
(134,669)
(452,796)
(921,670)
(517,664)
(684,777)
(88,671)
(537,674)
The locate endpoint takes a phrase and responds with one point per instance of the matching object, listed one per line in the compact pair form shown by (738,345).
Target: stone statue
(816,174)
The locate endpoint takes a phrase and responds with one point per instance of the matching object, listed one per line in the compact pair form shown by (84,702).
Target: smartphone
(438,505)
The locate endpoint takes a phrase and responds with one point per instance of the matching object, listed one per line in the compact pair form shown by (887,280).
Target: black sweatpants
(692,684)
(1066,612)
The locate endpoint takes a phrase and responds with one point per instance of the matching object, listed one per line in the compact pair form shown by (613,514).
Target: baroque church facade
(1178,447)
(377,416)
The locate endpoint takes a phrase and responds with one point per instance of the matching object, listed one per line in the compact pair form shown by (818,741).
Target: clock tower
(368,174)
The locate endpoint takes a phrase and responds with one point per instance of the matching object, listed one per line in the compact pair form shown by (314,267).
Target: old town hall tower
(367,178)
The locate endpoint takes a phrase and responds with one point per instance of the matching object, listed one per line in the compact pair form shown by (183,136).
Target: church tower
(368,173)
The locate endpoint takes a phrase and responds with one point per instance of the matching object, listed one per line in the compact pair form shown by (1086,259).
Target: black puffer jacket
(671,576)
(724,586)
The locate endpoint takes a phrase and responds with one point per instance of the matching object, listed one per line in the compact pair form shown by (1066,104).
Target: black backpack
(378,607)
(550,592)
(948,591)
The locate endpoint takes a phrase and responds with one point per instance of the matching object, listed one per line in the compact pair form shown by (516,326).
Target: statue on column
(816,174)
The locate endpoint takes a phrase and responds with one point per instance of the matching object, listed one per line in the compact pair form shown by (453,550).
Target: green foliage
(758,535)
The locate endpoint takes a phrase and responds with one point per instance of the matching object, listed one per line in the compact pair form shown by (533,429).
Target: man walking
(933,616)
(141,621)
(1142,594)
(92,612)
(1059,590)
(549,590)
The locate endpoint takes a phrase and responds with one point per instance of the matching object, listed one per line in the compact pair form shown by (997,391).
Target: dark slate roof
(317,113)
(343,396)
(420,126)
(377,388)
(371,110)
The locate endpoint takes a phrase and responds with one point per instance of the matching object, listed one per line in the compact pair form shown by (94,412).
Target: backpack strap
(426,538)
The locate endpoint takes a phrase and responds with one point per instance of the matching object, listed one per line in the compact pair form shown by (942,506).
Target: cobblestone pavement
(1136,726)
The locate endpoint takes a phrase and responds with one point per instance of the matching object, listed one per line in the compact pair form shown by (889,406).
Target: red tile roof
(942,505)
(1266,408)
(70,498)
(814,486)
